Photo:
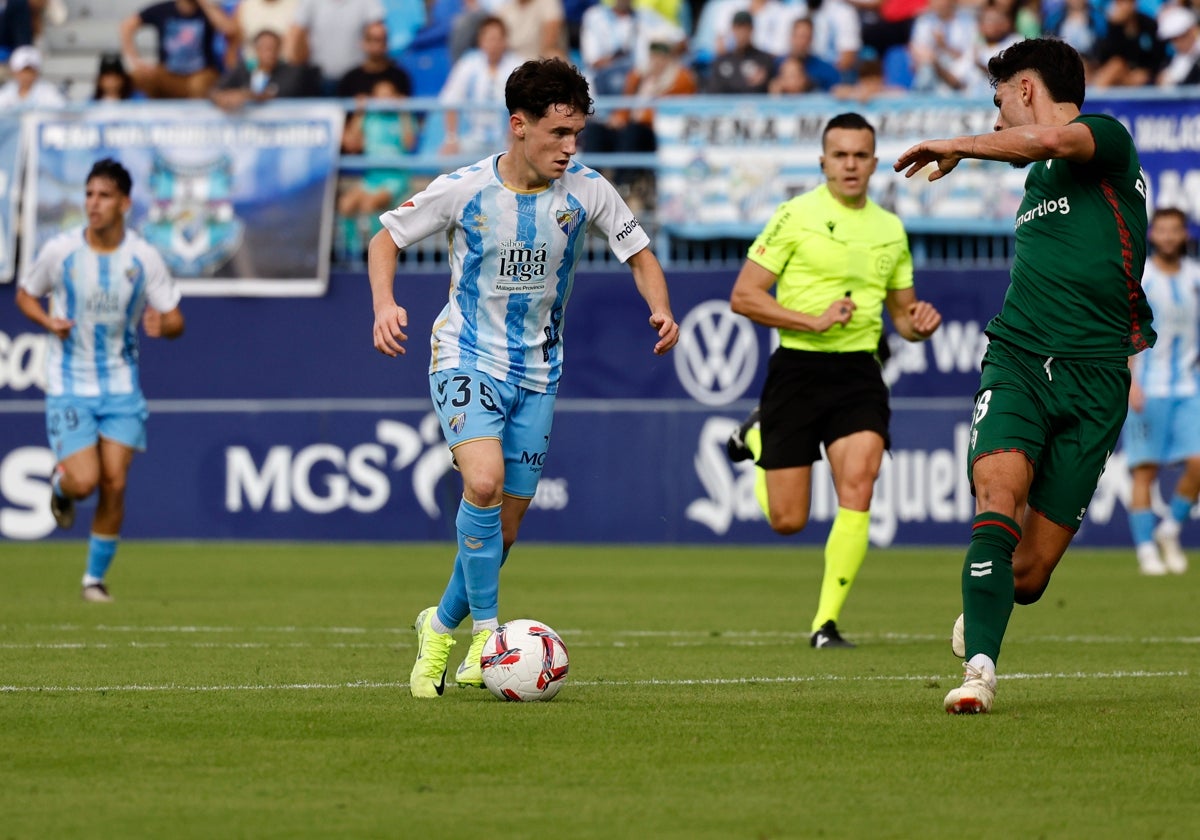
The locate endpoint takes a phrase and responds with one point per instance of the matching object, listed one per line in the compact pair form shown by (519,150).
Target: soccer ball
(524,660)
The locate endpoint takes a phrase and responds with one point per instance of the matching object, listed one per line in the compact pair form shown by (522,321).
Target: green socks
(987,583)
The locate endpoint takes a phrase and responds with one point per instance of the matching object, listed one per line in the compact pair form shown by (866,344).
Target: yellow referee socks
(754,444)
(845,551)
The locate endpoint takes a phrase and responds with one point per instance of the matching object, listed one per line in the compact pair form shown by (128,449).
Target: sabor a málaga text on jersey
(105,295)
(1080,250)
(512,263)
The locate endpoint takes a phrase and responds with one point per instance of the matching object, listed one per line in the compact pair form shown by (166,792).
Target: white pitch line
(715,681)
(403,637)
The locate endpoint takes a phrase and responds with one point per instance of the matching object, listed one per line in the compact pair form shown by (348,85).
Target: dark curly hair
(1055,61)
(536,86)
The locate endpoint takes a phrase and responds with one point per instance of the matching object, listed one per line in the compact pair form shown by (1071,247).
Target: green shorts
(1065,415)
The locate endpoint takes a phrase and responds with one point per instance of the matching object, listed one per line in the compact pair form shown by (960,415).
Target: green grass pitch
(259,691)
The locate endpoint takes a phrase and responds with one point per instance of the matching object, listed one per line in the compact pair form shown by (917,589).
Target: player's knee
(80,484)
(112,486)
(484,491)
(788,522)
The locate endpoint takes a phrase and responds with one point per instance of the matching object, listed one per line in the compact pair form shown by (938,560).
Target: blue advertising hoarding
(277,419)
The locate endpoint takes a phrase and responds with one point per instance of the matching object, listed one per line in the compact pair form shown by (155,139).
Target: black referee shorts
(812,398)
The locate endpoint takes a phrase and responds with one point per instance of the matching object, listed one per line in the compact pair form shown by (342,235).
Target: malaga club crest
(567,220)
(191,219)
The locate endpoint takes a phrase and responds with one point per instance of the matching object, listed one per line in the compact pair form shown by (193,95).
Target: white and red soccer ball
(524,660)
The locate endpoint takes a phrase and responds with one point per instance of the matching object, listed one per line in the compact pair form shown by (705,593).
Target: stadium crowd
(240,52)
(788,47)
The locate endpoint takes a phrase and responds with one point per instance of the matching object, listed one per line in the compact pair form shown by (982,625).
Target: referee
(835,258)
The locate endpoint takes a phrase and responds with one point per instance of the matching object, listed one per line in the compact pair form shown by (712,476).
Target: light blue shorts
(1165,432)
(472,405)
(75,423)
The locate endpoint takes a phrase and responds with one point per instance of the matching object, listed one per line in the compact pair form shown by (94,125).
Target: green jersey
(820,249)
(1076,289)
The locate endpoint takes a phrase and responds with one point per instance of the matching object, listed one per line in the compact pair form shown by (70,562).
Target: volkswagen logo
(717,355)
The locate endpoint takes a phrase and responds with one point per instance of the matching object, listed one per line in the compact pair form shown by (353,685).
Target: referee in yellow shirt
(835,258)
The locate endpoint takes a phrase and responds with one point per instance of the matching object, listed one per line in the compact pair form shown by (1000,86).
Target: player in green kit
(836,259)
(1055,381)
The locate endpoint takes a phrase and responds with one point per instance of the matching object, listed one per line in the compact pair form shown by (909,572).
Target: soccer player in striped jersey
(1163,426)
(101,280)
(515,223)
(1054,384)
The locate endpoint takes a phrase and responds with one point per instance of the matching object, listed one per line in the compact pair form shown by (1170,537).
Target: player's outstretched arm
(1019,144)
(652,285)
(390,319)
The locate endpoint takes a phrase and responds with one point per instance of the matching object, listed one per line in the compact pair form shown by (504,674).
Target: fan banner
(725,165)
(237,204)
(10,163)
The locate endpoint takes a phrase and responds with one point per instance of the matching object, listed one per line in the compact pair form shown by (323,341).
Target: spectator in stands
(436,30)
(16,26)
(477,82)
(376,133)
(682,13)
(1026,16)
(1130,53)
(113,84)
(941,36)
(465,28)
(837,35)
(328,34)
(886,24)
(869,83)
(188,65)
(1177,26)
(744,68)
(632,130)
(790,78)
(253,16)
(43,12)
(820,72)
(969,75)
(536,28)
(266,78)
(613,40)
(377,65)
(772,25)
(573,12)
(1079,23)
(26,88)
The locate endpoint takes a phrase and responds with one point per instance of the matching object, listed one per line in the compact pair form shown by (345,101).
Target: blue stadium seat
(897,69)
(428,67)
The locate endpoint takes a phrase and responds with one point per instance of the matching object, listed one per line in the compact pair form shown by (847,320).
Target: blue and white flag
(10,173)
(236,204)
